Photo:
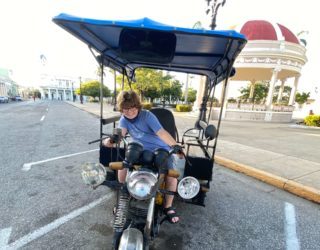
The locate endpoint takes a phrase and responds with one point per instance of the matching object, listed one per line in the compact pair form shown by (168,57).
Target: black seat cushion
(167,121)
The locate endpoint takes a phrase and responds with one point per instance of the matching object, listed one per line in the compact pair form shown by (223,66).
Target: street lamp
(213,8)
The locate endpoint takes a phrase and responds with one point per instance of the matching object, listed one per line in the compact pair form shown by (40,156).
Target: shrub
(232,100)
(147,105)
(92,99)
(312,120)
(183,107)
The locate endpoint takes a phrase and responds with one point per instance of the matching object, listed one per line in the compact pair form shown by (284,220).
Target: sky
(27,30)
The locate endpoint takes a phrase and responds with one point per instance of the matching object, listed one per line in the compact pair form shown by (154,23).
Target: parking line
(27,166)
(292,242)
(55,224)
(42,118)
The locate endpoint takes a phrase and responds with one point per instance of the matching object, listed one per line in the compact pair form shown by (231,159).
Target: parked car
(18,98)
(4,99)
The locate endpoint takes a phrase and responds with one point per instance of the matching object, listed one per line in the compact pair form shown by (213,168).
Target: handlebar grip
(117,165)
(173,173)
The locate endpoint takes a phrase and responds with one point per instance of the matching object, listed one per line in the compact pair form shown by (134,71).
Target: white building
(7,86)
(58,87)
(272,54)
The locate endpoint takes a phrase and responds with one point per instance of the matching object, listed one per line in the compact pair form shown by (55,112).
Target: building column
(49,94)
(197,103)
(42,93)
(1,88)
(252,85)
(294,90)
(271,88)
(57,94)
(281,91)
(64,95)
(224,91)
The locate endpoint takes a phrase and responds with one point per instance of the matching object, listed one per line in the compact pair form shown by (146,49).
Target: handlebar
(115,137)
(101,139)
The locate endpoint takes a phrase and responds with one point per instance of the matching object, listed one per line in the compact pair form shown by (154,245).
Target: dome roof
(264,30)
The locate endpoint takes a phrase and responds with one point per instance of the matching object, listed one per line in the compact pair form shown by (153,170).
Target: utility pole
(186,90)
(81,97)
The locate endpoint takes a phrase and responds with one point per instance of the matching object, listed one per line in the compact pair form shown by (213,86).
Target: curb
(83,109)
(288,185)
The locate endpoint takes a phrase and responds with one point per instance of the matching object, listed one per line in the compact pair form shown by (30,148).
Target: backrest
(167,121)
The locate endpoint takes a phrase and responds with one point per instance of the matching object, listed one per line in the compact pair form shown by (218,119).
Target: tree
(285,94)
(259,94)
(192,95)
(302,98)
(153,84)
(92,89)
(37,93)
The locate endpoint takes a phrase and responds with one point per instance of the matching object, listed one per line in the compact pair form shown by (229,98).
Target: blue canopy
(127,45)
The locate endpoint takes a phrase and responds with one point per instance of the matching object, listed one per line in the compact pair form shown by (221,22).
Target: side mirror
(210,132)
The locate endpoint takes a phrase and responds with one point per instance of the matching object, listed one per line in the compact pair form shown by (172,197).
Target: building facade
(7,86)
(58,87)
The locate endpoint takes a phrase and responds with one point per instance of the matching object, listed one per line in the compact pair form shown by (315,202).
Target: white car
(18,98)
(4,99)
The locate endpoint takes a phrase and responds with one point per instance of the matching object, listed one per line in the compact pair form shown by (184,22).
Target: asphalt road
(45,205)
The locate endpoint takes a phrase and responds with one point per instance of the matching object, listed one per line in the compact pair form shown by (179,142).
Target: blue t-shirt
(143,129)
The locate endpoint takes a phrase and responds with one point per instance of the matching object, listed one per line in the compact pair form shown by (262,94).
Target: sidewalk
(282,155)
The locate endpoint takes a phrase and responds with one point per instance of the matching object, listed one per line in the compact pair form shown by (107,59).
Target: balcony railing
(259,107)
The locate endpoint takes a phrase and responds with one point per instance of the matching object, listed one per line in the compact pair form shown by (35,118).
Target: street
(45,205)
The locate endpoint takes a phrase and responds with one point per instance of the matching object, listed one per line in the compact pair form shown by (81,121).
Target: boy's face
(130,113)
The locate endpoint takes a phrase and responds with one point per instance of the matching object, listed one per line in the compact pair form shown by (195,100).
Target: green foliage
(93,89)
(285,94)
(153,84)
(232,100)
(147,105)
(302,98)
(192,95)
(312,120)
(172,90)
(260,92)
(183,108)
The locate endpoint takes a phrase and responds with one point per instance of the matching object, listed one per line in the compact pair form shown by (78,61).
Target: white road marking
(42,118)
(4,237)
(317,135)
(55,224)
(27,166)
(292,242)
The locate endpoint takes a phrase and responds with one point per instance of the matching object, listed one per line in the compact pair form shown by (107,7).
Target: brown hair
(128,99)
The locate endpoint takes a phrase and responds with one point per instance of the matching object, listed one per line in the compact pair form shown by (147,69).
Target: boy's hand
(108,143)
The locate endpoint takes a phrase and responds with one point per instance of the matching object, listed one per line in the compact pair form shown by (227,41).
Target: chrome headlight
(142,184)
(188,187)
(93,174)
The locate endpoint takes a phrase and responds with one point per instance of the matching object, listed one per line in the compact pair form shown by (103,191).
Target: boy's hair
(128,99)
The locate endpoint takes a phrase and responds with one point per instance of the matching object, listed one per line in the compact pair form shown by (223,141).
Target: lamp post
(72,91)
(213,7)
(81,97)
